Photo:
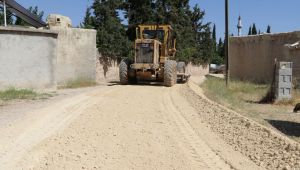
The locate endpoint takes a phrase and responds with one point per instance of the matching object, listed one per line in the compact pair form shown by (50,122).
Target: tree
(138,12)
(254,30)
(214,36)
(188,25)
(88,20)
(195,41)
(250,31)
(33,10)
(112,41)
(216,59)
(269,29)
(221,49)
(9,17)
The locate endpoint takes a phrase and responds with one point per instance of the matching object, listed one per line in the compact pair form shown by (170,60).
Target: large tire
(170,73)
(123,71)
(132,79)
(181,67)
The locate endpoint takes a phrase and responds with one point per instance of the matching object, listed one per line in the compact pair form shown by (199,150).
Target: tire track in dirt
(54,117)
(197,150)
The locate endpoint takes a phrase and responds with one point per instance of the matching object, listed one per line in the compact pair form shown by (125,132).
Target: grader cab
(155,47)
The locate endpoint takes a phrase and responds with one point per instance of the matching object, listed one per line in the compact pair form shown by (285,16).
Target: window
(152,34)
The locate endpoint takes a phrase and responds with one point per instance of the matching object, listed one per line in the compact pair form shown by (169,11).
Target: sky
(281,15)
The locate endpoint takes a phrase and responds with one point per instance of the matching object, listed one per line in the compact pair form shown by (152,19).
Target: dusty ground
(138,127)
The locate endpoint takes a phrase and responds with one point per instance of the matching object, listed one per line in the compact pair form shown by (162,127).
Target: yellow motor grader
(155,47)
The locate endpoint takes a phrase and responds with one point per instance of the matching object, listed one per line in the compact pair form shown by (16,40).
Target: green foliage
(238,94)
(138,12)
(18,21)
(9,17)
(214,36)
(269,29)
(195,41)
(250,31)
(254,30)
(218,51)
(88,22)
(33,10)
(13,93)
(187,54)
(112,40)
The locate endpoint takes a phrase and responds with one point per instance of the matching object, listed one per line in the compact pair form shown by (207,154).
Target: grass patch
(238,94)
(245,98)
(78,84)
(13,93)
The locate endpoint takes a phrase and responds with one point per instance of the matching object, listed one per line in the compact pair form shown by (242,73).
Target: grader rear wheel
(170,73)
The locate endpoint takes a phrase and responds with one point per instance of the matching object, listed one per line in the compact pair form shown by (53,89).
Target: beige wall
(27,58)
(43,59)
(251,58)
(77,55)
(295,57)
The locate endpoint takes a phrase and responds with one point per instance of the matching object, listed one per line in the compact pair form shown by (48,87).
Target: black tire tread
(123,72)
(170,73)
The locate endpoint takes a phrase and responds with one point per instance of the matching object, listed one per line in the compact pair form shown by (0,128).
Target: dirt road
(118,127)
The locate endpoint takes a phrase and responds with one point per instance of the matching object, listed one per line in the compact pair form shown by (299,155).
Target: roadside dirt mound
(264,146)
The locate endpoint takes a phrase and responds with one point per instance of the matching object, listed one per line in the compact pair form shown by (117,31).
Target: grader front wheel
(170,73)
(127,75)
(123,71)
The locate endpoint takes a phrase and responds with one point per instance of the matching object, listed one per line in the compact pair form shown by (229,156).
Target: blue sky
(282,15)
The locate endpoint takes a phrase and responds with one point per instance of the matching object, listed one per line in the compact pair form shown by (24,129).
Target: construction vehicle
(155,49)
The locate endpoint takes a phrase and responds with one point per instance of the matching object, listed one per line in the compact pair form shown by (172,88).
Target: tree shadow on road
(140,83)
(286,127)
(113,83)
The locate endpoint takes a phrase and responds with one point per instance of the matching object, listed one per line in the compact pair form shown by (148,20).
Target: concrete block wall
(27,58)
(77,55)
(251,58)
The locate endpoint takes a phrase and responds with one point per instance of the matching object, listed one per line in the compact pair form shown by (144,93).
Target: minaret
(239,26)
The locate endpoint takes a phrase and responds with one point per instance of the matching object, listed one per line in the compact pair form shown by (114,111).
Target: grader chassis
(155,47)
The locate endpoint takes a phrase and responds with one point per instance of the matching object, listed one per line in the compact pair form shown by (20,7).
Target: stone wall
(27,58)
(251,58)
(77,55)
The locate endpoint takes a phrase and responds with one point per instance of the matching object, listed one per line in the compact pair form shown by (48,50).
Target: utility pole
(4,11)
(227,41)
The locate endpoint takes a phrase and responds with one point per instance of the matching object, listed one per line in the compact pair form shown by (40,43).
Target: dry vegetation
(245,98)
(13,94)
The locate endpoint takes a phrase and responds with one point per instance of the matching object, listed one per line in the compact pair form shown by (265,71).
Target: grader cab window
(152,34)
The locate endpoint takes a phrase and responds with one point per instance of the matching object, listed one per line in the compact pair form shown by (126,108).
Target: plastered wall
(251,58)
(27,58)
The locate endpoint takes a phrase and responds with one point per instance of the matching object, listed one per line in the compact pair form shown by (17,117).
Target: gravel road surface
(126,127)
